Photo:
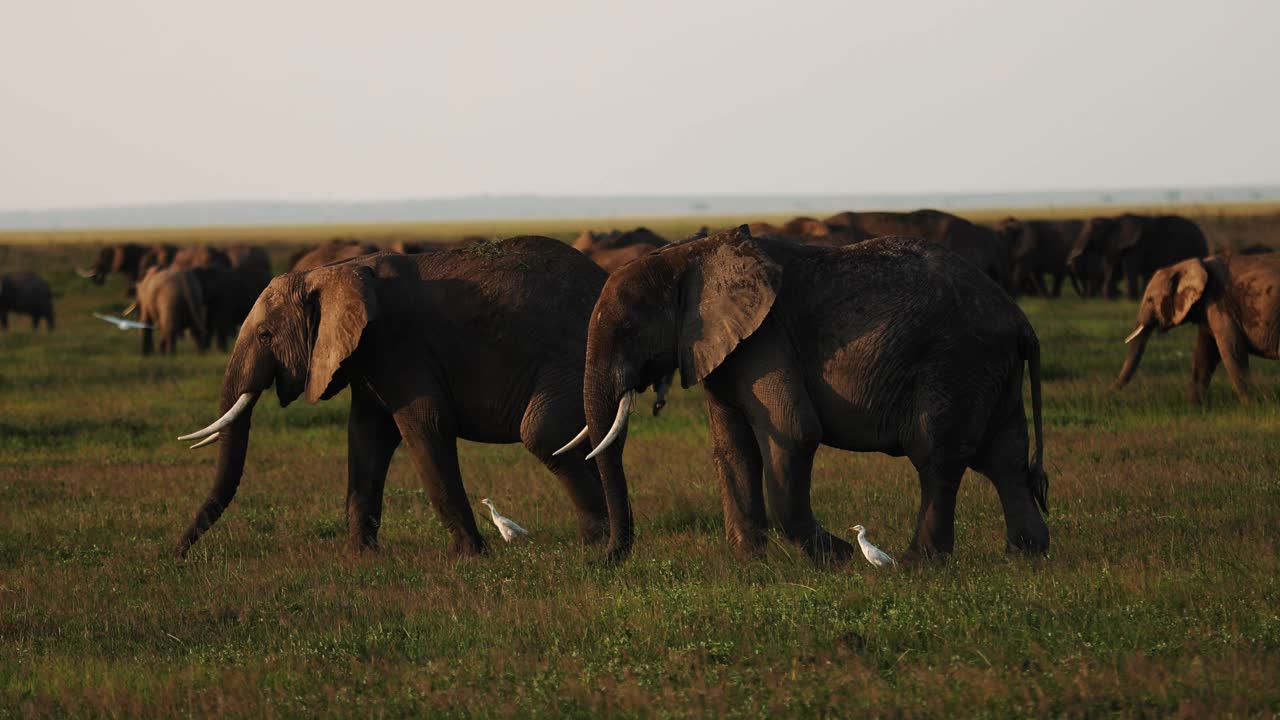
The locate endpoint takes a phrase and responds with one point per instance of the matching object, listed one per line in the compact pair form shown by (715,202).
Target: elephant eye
(264,336)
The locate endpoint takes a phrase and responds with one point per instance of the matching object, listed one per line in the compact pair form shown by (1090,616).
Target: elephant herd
(887,332)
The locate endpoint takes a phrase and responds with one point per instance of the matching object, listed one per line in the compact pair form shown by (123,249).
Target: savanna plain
(1160,593)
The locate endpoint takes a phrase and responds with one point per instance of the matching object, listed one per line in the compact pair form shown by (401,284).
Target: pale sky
(119,102)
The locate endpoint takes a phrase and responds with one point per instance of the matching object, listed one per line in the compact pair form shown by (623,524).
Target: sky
(131,102)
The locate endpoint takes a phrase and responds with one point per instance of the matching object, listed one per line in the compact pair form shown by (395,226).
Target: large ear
(1186,284)
(725,295)
(1125,234)
(343,303)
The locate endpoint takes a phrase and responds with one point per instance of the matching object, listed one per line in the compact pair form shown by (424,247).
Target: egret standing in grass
(508,527)
(873,554)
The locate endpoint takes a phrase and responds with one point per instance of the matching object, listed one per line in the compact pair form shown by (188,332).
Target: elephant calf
(26,293)
(1236,302)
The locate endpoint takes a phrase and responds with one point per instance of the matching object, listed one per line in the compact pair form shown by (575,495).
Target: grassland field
(1160,595)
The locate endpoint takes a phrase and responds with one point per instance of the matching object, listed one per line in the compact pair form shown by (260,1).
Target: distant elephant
(125,258)
(1135,246)
(892,345)
(159,255)
(615,248)
(1038,248)
(171,301)
(809,231)
(975,243)
(413,248)
(200,256)
(435,347)
(250,257)
(1236,302)
(336,251)
(26,293)
(229,295)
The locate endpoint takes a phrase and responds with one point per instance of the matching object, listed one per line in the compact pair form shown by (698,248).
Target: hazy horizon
(141,103)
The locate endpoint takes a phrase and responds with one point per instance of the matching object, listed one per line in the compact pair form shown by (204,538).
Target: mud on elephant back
(892,345)
(484,346)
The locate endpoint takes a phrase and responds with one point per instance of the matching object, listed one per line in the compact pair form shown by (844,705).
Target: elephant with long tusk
(485,345)
(1235,301)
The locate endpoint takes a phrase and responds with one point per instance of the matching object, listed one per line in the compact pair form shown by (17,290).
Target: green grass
(1160,595)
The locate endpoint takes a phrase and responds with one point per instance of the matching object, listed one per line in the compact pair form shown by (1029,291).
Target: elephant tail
(1037,478)
(195,307)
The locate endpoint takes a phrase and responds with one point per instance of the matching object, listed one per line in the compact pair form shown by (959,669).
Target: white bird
(873,554)
(508,527)
(122,323)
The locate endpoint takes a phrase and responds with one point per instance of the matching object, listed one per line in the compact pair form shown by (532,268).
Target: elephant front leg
(1203,362)
(434,448)
(935,525)
(738,469)
(1233,351)
(372,437)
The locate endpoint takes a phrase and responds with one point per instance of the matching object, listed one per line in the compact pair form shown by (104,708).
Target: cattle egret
(873,554)
(122,323)
(508,527)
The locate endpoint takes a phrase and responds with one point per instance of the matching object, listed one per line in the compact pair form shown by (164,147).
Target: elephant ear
(1189,286)
(725,295)
(1126,233)
(343,303)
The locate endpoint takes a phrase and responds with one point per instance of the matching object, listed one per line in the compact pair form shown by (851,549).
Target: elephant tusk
(86,273)
(129,310)
(225,420)
(1136,332)
(619,423)
(207,441)
(575,442)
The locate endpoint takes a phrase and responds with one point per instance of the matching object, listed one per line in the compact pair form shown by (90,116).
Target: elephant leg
(1133,279)
(739,468)
(1038,278)
(1058,278)
(1233,353)
(434,447)
(4,320)
(545,425)
(1004,462)
(35,321)
(1203,362)
(1109,280)
(935,524)
(147,334)
(372,438)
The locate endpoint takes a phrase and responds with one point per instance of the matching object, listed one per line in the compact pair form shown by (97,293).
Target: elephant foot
(1028,541)
(593,530)
(748,546)
(613,556)
(462,546)
(920,553)
(827,549)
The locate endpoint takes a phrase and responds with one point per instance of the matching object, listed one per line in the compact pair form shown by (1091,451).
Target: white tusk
(225,420)
(575,442)
(619,423)
(1136,332)
(207,441)
(132,306)
(86,273)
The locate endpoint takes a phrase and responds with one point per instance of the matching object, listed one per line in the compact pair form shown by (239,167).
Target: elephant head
(299,333)
(1173,295)
(686,306)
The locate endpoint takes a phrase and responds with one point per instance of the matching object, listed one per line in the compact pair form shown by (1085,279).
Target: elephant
(615,248)
(159,255)
(250,257)
(171,301)
(484,346)
(229,294)
(1038,248)
(975,243)
(200,256)
(891,345)
(1135,246)
(336,251)
(1235,300)
(413,248)
(26,293)
(808,231)
(125,258)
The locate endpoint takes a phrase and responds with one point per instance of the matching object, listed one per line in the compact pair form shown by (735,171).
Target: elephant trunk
(233,445)
(1137,345)
(607,407)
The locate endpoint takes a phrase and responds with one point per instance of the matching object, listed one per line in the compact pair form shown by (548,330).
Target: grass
(1160,595)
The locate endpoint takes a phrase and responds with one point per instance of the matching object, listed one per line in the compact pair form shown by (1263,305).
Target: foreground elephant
(1038,248)
(171,302)
(975,243)
(480,346)
(26,293)
(892,345)
(335,251)
(1236,302)
(1135,246)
